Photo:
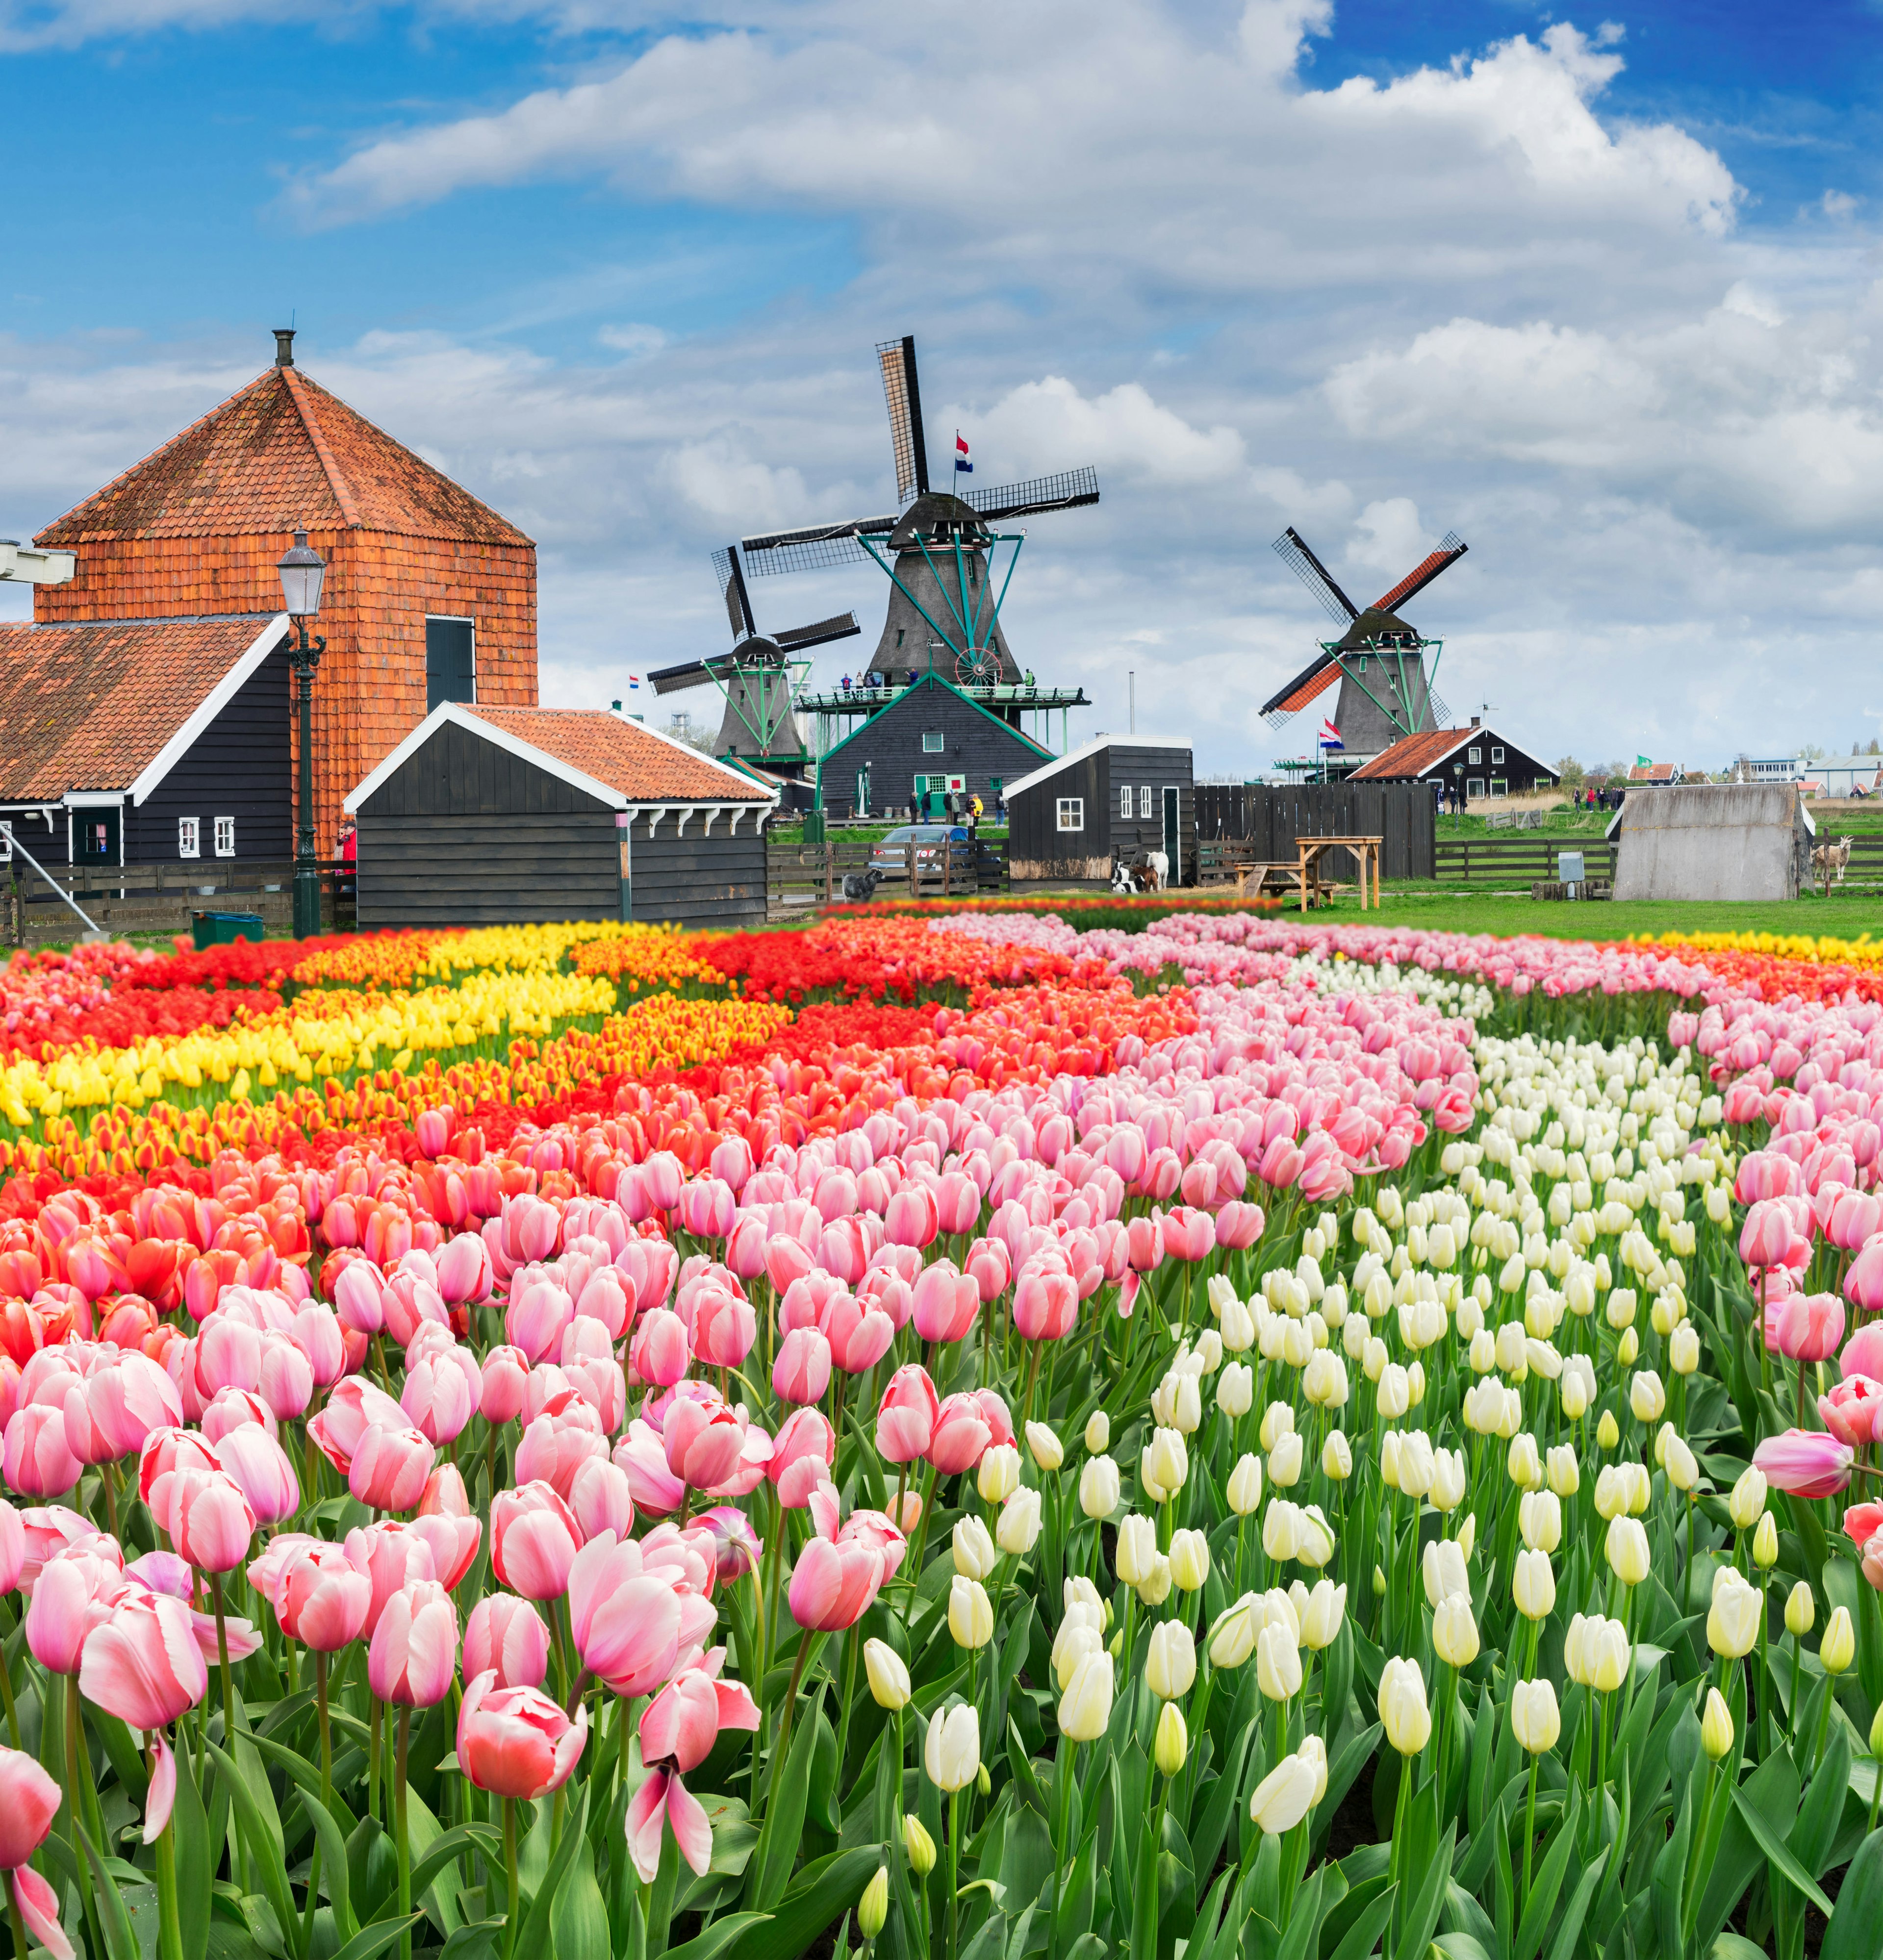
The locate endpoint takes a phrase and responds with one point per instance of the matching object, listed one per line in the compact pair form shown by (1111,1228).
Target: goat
(860,887)
(1828,862)
(1153,871)
(1121,875)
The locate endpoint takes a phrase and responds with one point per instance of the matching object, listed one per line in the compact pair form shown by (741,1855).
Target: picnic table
(1313,888)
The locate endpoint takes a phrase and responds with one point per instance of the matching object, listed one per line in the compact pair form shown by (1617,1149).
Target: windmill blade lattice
(1068,490)
(903,393)
(1292,548)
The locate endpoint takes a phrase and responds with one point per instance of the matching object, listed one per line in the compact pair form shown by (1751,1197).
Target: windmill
(1379,659)
(938,550)
(759,678)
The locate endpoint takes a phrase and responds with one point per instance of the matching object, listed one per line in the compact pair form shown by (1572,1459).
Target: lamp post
(1458,793)
(302,571)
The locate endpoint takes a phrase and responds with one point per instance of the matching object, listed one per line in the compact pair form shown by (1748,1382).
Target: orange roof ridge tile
(343,495)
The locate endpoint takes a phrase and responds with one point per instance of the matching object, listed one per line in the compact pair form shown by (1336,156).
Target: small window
(1474,786)
(899,632)
(1499,787)
(1496,754)
(450,661)
(934,742)
(189,837)
(1125,805)
(1361,663)
(1146,802)
(1476,755)
(1072,812)
(225,837)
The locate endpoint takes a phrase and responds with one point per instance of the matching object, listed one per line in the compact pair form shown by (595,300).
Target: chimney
(283,347)
(1475,721)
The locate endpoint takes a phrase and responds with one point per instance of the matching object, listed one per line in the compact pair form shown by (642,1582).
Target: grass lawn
(1844,917)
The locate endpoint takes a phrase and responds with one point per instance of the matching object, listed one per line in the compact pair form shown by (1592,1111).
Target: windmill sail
(674,680)
(1068,491)
(1422,574)
(1293,550)
(800,639)
(732,586)
(813,548)
(903,393)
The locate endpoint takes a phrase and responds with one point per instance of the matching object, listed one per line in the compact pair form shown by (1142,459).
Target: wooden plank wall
(503,869)
(1269,818)
(697,880)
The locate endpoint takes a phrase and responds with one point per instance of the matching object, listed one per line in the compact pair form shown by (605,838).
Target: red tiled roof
(1655,772)
(90,707)
(280,454)
(640,766)
(1412,755)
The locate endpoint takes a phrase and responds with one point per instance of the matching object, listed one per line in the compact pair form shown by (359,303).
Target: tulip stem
(804,1647)
(404,1845)
(512,1916)
(13,1712)
(372,1759)
(855,1642)
(19,1921)
(170,1936)
(222,1655)
(1529,1836)
(75,1719)
(954,1873)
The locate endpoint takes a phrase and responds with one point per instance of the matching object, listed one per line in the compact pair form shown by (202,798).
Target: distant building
(1487,764)
(1770,769)
(1849,775)
(1657,772)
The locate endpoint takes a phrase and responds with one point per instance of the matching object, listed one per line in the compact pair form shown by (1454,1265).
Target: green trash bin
(225,929)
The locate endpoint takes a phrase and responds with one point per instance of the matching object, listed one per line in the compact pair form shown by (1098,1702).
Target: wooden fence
(798,875)
(125,899)
(1268,818)
(1518,860)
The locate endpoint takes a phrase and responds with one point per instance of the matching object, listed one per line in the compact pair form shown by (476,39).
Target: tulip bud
(1136,1550)
(1607,1431)
(1838,1648)
(1166,1463)
(1337,1458)
(999,1472)
(1099,1483)
(1245,1486)
(1286,1794)
(1402,1705)
(1876,1734)
(918,1846)
(1172,1744)
(975,1556)
(1683,1349)
(1732,1621)
(1533,1585)
(1232,1638)
(1189,1560)
(951,1753)
(889,1675)
(1801,1610)
(983,1781)
(1044,1446)
(1085,1707)
(1646,1397)
(970,1613)
(1628,1349)
(1765,1545)
(1564,1473)
(1325,1610)
(1278,1663)
(873,1909)
(1154,1588)
(1524,1462)
(1679,1460)
(1715,1726)
(1170,1665)
(1236,1390)
(1098,1433)
(1534,1719)
(1747,1503)
(1540,1520)
(1017,1529)
(1455,1631)
(1627,1550)
(1284,1462)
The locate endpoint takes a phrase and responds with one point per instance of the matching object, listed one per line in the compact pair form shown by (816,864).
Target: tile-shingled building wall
(198,526)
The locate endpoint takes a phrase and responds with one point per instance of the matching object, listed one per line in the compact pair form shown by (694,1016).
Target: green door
(1173,836)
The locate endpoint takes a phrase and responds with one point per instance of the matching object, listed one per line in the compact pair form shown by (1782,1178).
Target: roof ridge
(162,448)
(342,490)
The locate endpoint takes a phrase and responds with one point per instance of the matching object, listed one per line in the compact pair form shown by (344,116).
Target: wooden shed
(1268,818)
(930,736)
(501,815)
(1116,796)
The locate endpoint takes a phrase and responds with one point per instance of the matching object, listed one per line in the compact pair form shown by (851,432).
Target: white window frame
(225,830)
(1074,809)
(1125,804)
(934,742)
(189,837)
(1146,802)
(1476,758)
(1500,786)
(1474,787)
(1496,754)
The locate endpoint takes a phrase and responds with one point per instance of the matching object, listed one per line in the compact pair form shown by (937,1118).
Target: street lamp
(1458,793)
(303,570)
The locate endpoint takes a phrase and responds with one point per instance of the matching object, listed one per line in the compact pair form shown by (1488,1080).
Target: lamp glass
(302,571)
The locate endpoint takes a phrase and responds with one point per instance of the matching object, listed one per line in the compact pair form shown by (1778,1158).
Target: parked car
(927,841)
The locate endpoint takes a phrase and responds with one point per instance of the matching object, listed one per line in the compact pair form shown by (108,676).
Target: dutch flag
(963,466)
(1330,735)
(634,683)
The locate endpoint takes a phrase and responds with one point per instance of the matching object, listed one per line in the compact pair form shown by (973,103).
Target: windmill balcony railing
(857,699)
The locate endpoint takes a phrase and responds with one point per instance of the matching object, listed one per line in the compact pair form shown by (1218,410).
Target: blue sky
(1595,288)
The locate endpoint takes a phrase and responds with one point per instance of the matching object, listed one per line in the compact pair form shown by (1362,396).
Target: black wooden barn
(929,736)
(1119,796)
(1268,818)
(499,816)
(1478,760)
(147,741)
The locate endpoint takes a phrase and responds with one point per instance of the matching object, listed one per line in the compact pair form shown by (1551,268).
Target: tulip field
(975,1436)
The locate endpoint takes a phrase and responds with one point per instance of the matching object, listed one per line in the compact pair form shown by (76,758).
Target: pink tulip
(228,1353)
(359,1296)
(1046,1305)
(990,1267)
(1863,1352)
(464,1270)
(453,1541)
(961,1434)
(39,1462)
(736,1547)
(315,1331)
(506,1378)
(839,1572)
(260,1469)
(127,1400)
(1765,1238)
(393,1555)
(906,1417)
(506,1636)
(207,1518)
(723,1327)
(803,1453)
(1805,1327)
(859,1333)
(642,1456)
(12,1547)
(914,1218)
(627,1622)
(1849,1412)
(1862,1522)
(389,1468)
(661,1351)
(601,1498)
(786,1260)
(1872,1561)
(353,1408)
(802,1372)
(439,1399)
(536,1319)
(1239,1226)
(73,1596)
(287,1384)
(513,1741)
(703,1440)
(554,1447)
(236,1409)
(534,1539)
(445,1496)
(1863,1283)
(413,1656)
(29,1801)
(1147,1239)
(679,1730)
(1808,1463)
(143,1665)
(947,1303)
(321,1598)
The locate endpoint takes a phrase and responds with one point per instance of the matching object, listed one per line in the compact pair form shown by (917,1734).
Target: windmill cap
(933,510)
